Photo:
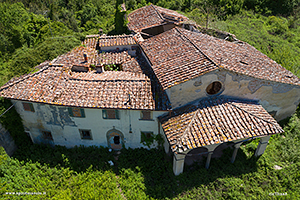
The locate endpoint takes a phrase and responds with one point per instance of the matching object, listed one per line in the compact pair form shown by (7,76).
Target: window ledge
(146,119)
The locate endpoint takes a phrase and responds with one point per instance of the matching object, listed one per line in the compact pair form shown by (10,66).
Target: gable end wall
(278,98)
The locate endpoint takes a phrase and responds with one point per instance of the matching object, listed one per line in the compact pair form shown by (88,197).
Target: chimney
(85,57)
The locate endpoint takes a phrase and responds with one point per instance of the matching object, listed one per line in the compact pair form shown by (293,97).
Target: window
(146,115)
(110,114)
(47,135)
(86,134)
(28,107)
(76,112)
(146,136)
(214,88)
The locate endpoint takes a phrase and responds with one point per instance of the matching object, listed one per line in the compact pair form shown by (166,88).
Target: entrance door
(115,139)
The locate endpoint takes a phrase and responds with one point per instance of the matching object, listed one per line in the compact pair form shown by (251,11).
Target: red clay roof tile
(241,58)
(174,59)
(55,85)
(216,120)
(150,16)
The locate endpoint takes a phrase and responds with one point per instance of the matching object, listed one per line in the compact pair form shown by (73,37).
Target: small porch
(210,123)
(180,159)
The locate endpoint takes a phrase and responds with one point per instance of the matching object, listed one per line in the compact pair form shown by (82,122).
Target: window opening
(117,139)
(28,107)
(214,88)
(110,114)
(146,115)
(85,134)
(76,112)
(47,135)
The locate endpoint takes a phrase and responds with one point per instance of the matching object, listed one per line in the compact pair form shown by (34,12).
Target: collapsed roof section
(216,120)
(72,79)
(56,85)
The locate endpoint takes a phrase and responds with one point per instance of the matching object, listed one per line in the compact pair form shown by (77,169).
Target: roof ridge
(157,12)
(250,113)
(188,126)
(182,35)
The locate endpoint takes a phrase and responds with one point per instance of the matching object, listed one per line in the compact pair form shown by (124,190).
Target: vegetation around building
(35,31)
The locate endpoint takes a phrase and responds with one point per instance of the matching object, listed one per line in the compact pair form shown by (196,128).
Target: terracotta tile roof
(174,59)
(75,57)
(109,40)
(106,58)
(116,40)
(171,14)
(150,16)
(90,42)
(132,65)
(129,64)
(109,76)
(144,17)
(241,58)
(55,85)
(216,120)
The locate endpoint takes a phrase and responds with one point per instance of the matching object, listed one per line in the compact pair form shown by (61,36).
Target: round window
(214,88)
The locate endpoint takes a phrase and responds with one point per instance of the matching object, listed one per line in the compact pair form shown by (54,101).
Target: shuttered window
(76,112)
(146,115)
(28,107)
(110,114)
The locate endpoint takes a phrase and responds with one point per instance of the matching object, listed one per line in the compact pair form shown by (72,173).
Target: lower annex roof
(216,120)
(55,85)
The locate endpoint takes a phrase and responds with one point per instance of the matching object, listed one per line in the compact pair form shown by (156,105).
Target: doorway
(115,139)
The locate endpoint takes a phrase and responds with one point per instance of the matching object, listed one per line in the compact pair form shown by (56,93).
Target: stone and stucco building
(167,78)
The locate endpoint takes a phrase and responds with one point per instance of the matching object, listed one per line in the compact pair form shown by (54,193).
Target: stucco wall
(65,129)
(280,98)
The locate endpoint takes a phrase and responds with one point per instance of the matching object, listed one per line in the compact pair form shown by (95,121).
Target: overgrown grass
(84,173)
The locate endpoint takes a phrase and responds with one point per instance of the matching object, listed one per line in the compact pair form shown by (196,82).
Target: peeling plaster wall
(65,129)
(278,98)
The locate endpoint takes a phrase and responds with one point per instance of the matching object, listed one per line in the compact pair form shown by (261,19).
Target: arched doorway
(196,155)
(218,152)
(115,139)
